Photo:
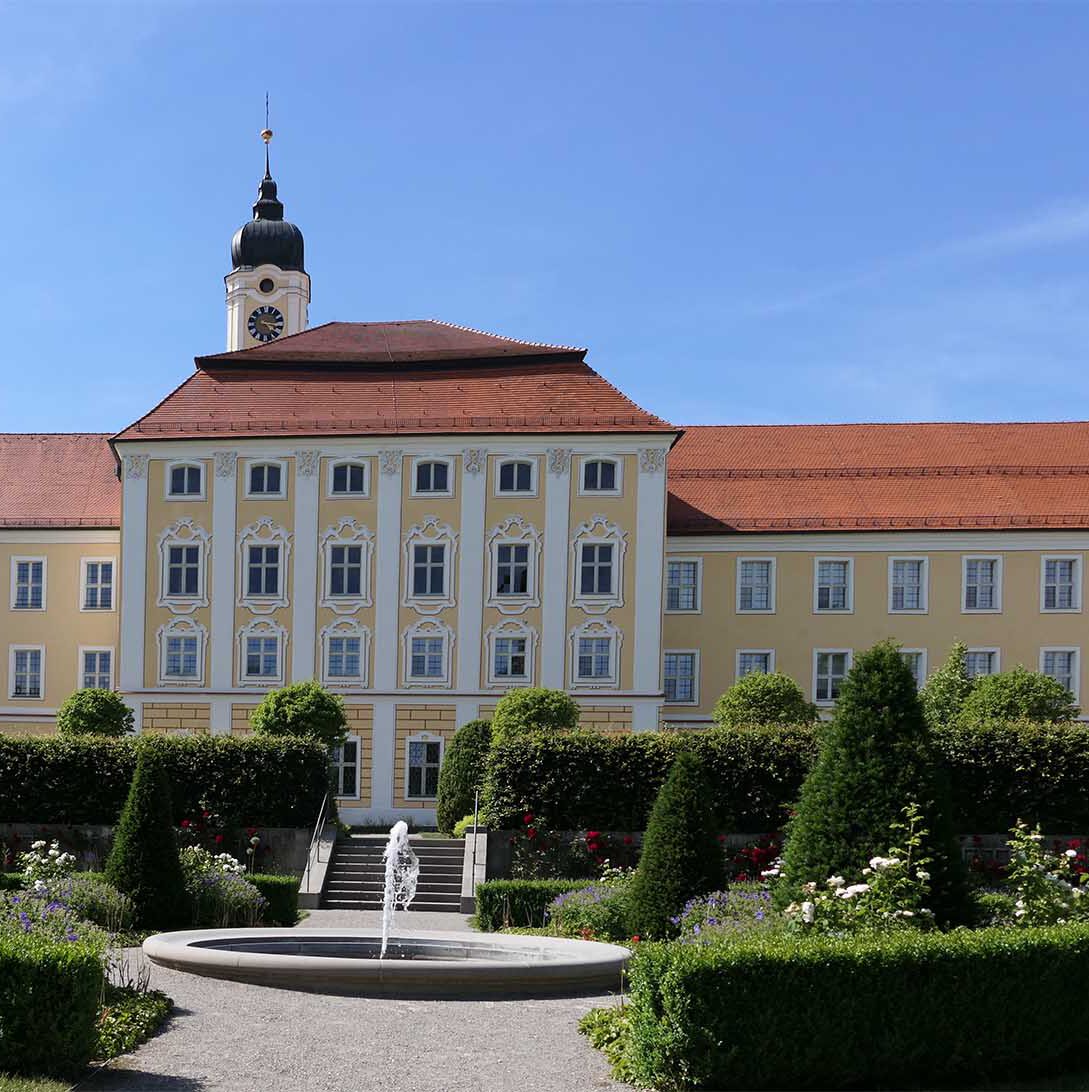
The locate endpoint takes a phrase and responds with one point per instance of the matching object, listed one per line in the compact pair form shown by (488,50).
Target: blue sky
(749,212)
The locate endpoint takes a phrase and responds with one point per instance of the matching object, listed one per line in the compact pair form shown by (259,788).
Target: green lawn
(32,1084)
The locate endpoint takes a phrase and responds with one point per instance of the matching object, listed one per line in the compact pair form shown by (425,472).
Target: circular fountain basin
(416,965)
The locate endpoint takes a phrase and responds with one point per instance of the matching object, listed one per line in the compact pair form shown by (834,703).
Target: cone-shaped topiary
(143,863)
(462,773)
(875,757)
(682,857)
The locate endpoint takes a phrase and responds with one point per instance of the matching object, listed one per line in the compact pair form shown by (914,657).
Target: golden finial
(266,135)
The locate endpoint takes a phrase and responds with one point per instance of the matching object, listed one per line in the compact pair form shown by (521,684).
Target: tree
(304,709)
(462,772)
(531,708)
(92,711)
(682,857)
(758,699)
(1018,695)
(143,862)
(947,689)
(875,757)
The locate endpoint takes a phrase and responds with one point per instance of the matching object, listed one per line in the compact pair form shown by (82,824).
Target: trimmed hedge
(274,782)
(282,893)
(49,995)
(500,903)
(906,1009)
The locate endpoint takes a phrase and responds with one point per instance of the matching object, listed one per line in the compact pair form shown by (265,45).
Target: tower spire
(266,136)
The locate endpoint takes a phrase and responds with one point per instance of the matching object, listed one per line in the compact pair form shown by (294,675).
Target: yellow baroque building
(423,515)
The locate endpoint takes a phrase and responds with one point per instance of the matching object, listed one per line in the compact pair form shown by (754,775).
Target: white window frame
(183,533)
(422,737)
(331,469)
(508,629)
(428,627)
(769,652)
(850,595)
(514,531)
(996,653)
(618,480)
(346,533)
(182,627)
(924,585)
(923,666)
(1077,560)
(695,654)
(998,574)
(346,627)
(506,460)
(432,532)
(772,585)
(12,650)
(598,531)
(83,563)
(596,627)
(263,532)
(175,464)
(250,464)
(675,559)
(97,649)
(339,764)
(263,628)
(1076,671)
(828,703)
(426,494)
(15,561)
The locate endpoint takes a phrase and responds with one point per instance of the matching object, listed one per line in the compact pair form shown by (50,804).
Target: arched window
(600,476)
(348,479)
(432,477)
(185,481)
(266,479)
(517,476)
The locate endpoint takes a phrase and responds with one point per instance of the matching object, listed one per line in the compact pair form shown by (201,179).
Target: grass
(32,1084)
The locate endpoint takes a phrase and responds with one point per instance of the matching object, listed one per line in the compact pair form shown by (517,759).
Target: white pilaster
(224,520)
(221,715)
(304,595)
(650,504)
(133,570)
(385,734)
(554,583)
(474,487)
(387,576)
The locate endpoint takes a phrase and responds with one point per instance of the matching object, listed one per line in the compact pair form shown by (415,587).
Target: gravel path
(232,1037)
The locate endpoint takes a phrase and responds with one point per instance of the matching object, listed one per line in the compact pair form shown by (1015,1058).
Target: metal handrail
(316,838)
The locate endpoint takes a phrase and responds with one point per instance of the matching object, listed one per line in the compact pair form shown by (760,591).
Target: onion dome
(268,239)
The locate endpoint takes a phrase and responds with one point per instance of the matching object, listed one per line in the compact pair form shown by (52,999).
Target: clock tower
(268,290)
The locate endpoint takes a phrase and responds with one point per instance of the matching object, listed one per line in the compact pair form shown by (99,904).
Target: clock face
(266,323)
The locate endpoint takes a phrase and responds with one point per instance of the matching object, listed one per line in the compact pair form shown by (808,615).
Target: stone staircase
(356,875)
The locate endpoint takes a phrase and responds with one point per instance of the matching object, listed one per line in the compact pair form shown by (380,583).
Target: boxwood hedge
(274,782)
(503,903)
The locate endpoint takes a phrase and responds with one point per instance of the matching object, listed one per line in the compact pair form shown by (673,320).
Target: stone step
(371,889)
(418,905)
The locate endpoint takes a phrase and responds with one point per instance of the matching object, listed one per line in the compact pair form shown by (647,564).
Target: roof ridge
(504,337)
(27,435)
(943,470)
(883,424)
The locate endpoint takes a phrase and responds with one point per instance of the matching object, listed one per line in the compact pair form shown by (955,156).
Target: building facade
(423,516)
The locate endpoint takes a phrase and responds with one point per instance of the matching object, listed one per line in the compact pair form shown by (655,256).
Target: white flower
(907,913)
(54,852)
(836,881)
(769,873)
(1071,853)
(1020,904)
(923,875)
(809,888)
(37,845)
(1037,837)
(867,871)
(40,887)
(857,889)
(809,912)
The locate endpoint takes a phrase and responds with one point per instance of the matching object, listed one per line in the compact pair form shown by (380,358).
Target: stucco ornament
(474,458)
(652,460)
(390,461)
(307,463)
(226,461)
(559,460)
(136,466)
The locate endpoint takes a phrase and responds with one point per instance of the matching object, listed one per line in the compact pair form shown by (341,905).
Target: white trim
(339,764)
(304,572)
(514,531)
(827,703)
(473,507)
(422,737)
(262,627)
(924,585)
(695,654)
(680,560)
(427,494)
(173,465)
(596,628)
(346,627)
(134,562)
(361,461)
(773,576)
(432,532)
(386,579)
(95,648)
(251,464)
(346,532)
(224,526)
(557,520)
(1075,674)
(29,559)
(850,594)
(923,667)
(182,627)
(428,627)
(263,532)
(1078,562)
(618,463)
(534,469)
(598,531)
(517,629)
(650,519)
(83,563)
(183,533)
(738,653)
(997,608)
(12,650)
(996,663)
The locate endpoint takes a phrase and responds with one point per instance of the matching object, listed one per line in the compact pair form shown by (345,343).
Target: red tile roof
(745,478)
(58,480)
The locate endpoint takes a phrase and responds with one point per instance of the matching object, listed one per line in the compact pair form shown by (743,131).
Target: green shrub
(143,862)
(1018,694)
(875,757)
(93,711)
(49,992)
(11,881)
(220,896)
(533,708)
(92,897)
(461,827)
(462,772)
(129,1017)
(502,903)
(275,782)
(682,857)
(947,689)
(599,909)
(608,1030)
(303,709)
(282,895)
(763,699)
(899,1010)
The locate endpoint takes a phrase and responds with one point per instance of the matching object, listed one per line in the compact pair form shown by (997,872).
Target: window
(1062,665)
(510,658)
(982,584)
(755,661)
(346,550)
(181,652)
(427,657)
(262,657)
(511,646)
(265,480)
(427,653)
(345,571)
(833,585)
(915,659)
(344,658)
(600,476)
(516,476)
(596,569)
(346,767)
(422,768)
(755,585)
(28,583)
(431,478)
(181,657)
(97,584)
(597,557)
(261,644)
(1061,589)
(183,560)
(264,550)
(683,586)
(680,676)
(26,671)
(981,661)
(96,668)
(595,654)
(428,570)
(345,645)
(348,480)
(907,585)
(512,569)
(185,481)
(513,551)
(183,571)
(263,571)
(830,669)
(595,657)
